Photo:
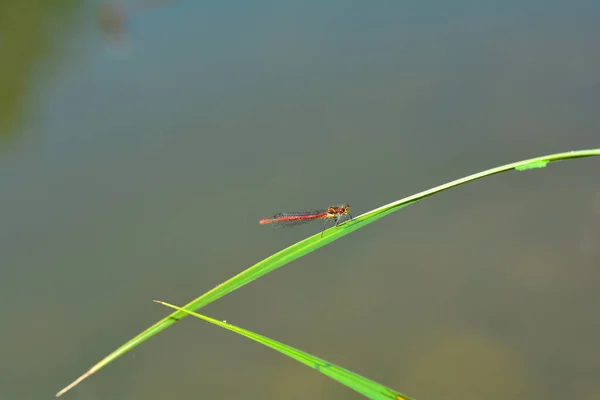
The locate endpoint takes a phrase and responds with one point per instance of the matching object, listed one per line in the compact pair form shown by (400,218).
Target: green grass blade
(312,243)
(362,385)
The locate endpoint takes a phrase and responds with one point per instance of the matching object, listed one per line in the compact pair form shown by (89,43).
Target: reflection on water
(115,19)
(444,357)
(25,46)
(149,174)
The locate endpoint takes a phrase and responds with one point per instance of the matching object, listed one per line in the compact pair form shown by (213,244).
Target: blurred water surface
(141,145)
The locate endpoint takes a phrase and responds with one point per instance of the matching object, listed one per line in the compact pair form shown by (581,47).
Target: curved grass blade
(311,244)
(362,385)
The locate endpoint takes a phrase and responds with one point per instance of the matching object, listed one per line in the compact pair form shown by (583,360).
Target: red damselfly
(338,213)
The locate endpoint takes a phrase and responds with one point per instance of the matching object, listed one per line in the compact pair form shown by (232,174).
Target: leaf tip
(74,383)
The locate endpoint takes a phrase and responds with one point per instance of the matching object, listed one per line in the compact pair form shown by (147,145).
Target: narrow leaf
(362,385)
